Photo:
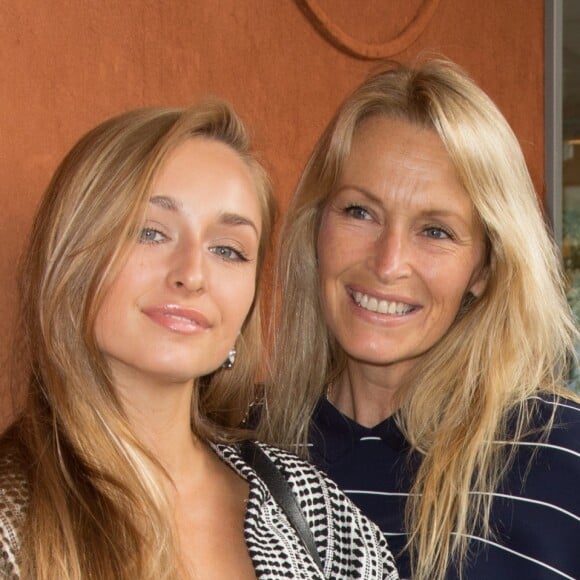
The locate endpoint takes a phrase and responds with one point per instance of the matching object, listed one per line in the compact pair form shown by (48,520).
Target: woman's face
(176,307)
(399,246)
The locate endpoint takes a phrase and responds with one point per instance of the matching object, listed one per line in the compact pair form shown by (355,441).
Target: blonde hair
(97,509)
(511,343)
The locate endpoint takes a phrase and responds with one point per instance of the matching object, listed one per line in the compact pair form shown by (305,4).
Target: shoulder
(566,419)
(555,426)
(308,482)
(302,475)
(551,445)
(349,534)
(13,504)
(536,511)
(348,544)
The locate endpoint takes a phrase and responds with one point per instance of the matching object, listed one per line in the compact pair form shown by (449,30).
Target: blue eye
(151,236)
(358,212)
(437,233)
(229,254)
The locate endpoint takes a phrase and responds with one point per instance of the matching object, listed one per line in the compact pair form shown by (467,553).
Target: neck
(160,416)
(367,394)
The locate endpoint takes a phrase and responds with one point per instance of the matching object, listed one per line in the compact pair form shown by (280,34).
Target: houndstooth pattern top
(349,545)
(13,494)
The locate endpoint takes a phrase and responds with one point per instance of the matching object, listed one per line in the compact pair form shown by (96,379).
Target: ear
(479,282)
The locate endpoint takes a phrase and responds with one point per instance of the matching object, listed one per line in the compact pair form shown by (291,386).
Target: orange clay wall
(65,65)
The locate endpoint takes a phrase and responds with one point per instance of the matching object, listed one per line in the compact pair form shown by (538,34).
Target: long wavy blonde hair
(515,341)
(97,509)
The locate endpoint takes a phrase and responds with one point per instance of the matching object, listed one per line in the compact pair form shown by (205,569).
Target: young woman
(138,288)
(424,333)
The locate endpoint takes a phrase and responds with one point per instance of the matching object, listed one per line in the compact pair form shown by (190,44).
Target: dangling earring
(229,362)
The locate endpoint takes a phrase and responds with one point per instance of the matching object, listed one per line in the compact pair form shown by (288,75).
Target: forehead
(206,176)
(382,140)
(396,156)
(206,157)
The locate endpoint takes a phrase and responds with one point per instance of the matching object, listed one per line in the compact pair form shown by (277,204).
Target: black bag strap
(282,493)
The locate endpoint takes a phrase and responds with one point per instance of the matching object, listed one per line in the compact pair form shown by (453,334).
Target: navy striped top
(535,512)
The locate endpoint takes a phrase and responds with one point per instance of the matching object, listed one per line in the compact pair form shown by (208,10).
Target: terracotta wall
(68,64)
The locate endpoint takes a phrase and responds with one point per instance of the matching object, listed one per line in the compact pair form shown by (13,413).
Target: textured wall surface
(68,64)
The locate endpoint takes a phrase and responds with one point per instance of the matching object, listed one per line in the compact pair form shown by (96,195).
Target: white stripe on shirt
(532,444)
(519,554)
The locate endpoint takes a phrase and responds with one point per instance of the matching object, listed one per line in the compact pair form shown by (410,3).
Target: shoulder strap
(282,493)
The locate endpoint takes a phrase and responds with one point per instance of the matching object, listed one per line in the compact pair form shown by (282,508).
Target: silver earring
(229,362)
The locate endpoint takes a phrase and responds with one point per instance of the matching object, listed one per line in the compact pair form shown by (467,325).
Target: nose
(392,256)
(187,268)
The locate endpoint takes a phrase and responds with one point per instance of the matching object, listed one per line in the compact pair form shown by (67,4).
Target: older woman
(424,333)
(139,285)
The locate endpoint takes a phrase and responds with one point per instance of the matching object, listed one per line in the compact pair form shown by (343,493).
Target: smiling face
(399,246)
(177,305)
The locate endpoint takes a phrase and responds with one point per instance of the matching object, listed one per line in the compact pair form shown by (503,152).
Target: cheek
(328,273)
(105,323)
(337,251)
(325,269)
(445,283)
(239,296)
(120,298)
(451,285)
(322,249)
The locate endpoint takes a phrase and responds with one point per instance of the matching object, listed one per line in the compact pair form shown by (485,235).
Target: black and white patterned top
(13,500)
(349,545)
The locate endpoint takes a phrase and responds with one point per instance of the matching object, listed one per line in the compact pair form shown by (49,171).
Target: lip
(177,318)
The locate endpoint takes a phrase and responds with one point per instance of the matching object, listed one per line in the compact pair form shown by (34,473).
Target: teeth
(381,306)
(176,317)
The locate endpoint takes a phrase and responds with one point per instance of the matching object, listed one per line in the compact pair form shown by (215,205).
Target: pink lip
(177,318)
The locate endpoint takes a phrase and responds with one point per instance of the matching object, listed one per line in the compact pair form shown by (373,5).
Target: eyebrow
(226,218)
(234,219)
(165,202)
(364,192)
